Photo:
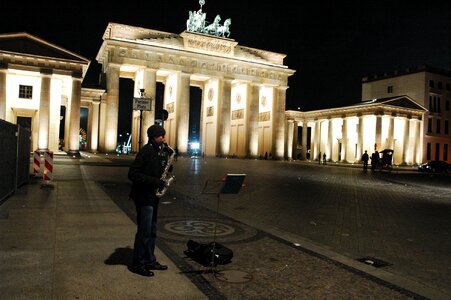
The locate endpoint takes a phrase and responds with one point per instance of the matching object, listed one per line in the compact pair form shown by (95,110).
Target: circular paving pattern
(203,230)
(199,228)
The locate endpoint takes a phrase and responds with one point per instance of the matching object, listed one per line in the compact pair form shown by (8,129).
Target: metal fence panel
(8,158)
(23,155)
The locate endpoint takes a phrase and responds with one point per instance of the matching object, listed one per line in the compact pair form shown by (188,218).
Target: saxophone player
(145,174)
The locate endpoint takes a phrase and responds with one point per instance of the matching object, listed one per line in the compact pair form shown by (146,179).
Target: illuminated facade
(430,88)
(37,78)
(344,133)
(243,89)
(243,100)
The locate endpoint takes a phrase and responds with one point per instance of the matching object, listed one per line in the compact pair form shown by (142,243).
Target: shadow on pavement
(121,256)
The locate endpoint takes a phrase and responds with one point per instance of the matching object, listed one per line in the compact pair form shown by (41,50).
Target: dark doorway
(83,128)
(124,126)
(159,100)
(24,122)
(194,147)
(62,122)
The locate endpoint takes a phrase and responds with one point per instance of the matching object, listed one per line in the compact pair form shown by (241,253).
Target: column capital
(149,69)
(256,84)
(113,65)
(226,79)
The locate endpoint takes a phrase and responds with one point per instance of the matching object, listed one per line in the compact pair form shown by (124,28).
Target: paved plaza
(297,230)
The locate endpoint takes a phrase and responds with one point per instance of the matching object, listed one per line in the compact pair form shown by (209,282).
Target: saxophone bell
(167,177)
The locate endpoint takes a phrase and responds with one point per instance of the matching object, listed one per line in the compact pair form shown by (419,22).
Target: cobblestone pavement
(401,218)
(263,267)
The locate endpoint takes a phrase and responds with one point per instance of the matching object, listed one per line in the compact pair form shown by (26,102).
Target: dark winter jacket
(145,173)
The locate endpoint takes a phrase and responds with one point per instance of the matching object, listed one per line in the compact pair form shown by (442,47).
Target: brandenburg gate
(243,89)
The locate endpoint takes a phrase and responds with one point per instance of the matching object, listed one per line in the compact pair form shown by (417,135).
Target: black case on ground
(202,253)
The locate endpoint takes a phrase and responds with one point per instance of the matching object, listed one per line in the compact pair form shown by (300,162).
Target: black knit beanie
(155,130)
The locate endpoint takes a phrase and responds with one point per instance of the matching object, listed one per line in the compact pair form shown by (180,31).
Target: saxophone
(167,177)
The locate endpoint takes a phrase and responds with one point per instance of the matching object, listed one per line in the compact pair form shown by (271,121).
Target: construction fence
(14,157)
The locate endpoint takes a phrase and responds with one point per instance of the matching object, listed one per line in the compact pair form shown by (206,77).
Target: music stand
(231,185)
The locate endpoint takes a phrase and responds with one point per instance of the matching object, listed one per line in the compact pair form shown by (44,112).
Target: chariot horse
(213,27)
(224,29)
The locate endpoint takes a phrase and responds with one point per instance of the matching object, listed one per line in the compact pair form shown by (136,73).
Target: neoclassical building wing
(344,133)
(36,79)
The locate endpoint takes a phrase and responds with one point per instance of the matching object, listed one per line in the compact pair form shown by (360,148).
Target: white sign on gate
(142,103)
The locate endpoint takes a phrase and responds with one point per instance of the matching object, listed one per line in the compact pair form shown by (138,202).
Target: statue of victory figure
(196,23)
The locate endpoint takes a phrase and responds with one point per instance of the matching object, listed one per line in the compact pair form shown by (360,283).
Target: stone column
(44,110)
(344,140)
(360,149)
(304,140)
(378,141)
(329,139)
(295,140)
(182,112)
(93,129)
(102,123)
(279,123)
(290,138)
(112,108)
(150,86)
(406,144)
(3,71)
(74,122)
(252,120)
(391,132)
(317,140)
(416,141)
(224,98)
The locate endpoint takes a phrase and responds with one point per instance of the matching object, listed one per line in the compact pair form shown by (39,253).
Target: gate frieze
(147,58)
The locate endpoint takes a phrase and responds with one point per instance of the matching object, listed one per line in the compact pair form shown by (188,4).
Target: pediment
(404,102)
(24,43)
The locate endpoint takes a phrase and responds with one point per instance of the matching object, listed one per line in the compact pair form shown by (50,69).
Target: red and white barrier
(48,166)
(36,162)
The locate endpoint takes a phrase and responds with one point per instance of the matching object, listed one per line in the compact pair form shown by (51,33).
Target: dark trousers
(144,247)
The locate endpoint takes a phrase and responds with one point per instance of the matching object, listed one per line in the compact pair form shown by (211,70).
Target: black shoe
(156,266)
(141,270)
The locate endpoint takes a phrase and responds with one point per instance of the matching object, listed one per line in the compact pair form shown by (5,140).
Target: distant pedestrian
(319,158)
(365,158)
(374,160)
(324,158)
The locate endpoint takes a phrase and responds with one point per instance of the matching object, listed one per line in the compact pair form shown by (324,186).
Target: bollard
(48,166)
(36,162)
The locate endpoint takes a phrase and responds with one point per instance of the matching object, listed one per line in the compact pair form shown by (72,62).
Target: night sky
(330,44)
